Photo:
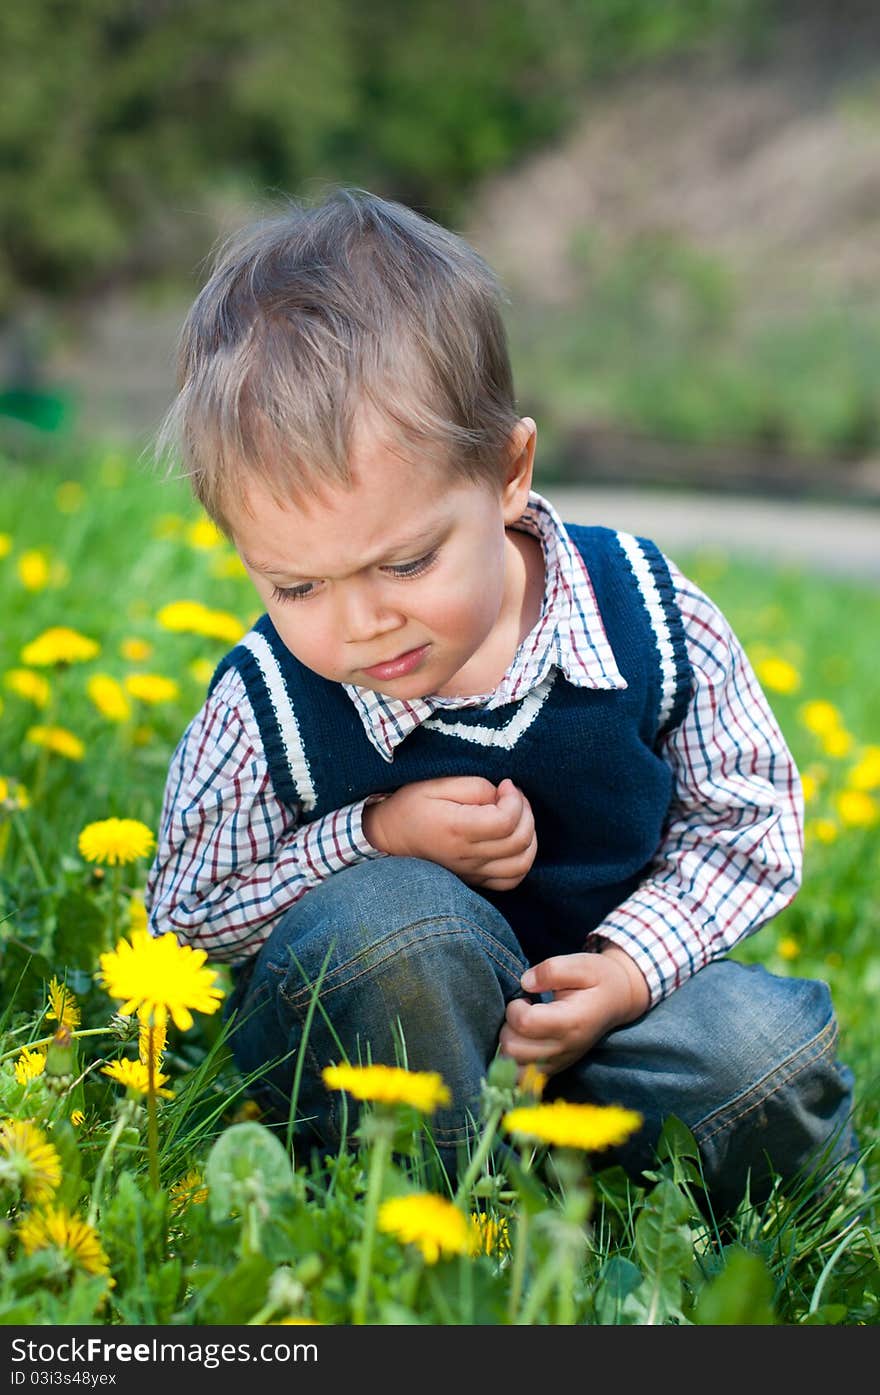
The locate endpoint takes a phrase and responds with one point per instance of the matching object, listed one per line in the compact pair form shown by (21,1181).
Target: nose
(366,614)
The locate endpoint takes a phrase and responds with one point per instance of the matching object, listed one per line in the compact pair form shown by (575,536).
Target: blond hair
(310,314)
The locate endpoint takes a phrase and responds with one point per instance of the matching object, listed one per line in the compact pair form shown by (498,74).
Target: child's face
(403,582)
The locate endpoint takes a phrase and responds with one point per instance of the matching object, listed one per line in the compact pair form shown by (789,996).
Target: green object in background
(45,410)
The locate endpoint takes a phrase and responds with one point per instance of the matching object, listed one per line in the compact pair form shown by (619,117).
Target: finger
(505,873)
(525,1051)
(562,971)
(511,828)
(536,1020)
(510,844)
(482,823)
(463,789)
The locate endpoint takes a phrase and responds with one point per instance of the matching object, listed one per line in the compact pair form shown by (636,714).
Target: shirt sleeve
(231,858)
(732,851)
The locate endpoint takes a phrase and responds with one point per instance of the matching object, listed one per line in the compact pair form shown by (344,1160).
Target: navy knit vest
(587,759)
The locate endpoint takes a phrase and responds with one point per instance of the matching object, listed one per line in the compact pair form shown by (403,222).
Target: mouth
(399,667)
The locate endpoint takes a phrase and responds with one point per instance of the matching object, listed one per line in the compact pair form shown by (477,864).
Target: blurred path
(835,538)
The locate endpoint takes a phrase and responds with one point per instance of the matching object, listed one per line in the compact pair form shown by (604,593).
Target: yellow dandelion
(69,496)
(137,913)
(34,569)
(152,687)
(865,774)
(13,795)
(158,978)
(114,842)
(587,1126)
(59,645)
(77,1118)
(822,830)
(204,535)
(820,716)
(135,650)
(29,1065)
(5,545)
(532,1081)
(135,1076)
(56,1228)
(856,808)
(221,624)
(192,617)
(778,675)
(488,1235)
(389,1085)
(109,696)
(810,786)
(25,683)
(189,1190)
(62,1005)
(181,617)
(430,1222)
(29,1158)
(202,671)
(788,948)
(838,742)
(56,739)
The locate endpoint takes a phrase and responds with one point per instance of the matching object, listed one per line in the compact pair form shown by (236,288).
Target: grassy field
(127,1206)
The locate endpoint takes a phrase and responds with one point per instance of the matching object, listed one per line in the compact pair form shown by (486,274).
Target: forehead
(391,507)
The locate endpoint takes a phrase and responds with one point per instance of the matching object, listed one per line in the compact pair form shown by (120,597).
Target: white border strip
(657,616)
(508,735)
(287,723)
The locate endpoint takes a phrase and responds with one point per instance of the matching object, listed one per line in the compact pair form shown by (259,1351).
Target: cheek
(307,640)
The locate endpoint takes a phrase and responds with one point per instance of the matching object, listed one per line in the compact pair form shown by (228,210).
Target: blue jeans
(407,952)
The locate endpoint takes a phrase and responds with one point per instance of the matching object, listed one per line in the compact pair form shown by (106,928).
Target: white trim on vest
(288,725)
(657,616)
(508,735)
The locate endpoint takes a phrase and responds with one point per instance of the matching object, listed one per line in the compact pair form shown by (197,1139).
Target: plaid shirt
(231,858)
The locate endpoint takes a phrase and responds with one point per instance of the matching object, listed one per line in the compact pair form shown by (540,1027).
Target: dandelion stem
(152,1122)
(520,1248)
(378,1164)
(126,1113)
(46,1041)
(543,1283)
(30,851)
(115,891)
(480,1155)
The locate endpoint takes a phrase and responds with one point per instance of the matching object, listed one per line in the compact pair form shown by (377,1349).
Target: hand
(483,834)
(592,993)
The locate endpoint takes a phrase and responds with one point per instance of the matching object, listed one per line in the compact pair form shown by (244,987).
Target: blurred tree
(119,116)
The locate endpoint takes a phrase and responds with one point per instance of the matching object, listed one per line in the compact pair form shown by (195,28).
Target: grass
(236,1231)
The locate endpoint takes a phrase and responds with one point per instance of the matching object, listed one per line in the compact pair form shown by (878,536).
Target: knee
(404,918)
(769,1029)
(784,1102)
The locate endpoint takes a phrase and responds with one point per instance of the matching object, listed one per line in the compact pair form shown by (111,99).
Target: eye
(408,569)
(294,593)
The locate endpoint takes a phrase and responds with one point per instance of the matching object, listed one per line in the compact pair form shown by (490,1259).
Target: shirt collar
(569,635)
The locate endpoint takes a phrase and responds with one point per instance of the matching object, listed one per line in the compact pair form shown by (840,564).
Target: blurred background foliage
(134,133)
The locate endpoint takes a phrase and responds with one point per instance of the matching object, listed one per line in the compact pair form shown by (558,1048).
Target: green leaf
(664,1244)
(741,1295)
(618,1281)
(247,1161)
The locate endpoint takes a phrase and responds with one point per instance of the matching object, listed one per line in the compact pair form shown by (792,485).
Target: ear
(520,465)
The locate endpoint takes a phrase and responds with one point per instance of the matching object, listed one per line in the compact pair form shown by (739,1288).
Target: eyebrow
(414,542)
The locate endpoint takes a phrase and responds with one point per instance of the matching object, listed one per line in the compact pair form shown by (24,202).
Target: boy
(490,781)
